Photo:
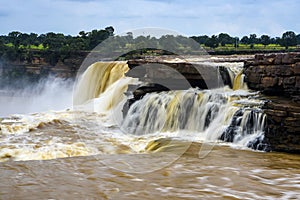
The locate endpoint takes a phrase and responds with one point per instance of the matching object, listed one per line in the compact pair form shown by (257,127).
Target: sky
(187,17)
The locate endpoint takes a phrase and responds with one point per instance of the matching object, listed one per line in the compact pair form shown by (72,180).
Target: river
(226,173)
(191,144)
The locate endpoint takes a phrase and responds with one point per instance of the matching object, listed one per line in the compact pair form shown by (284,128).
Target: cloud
(187,17)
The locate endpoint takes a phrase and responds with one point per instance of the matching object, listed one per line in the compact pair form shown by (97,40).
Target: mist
(50,93)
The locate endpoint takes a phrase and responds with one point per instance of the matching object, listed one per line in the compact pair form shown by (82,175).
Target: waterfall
(238,82)
(211,114)
(216,114)
(97,78)
(102,86)
(246,128)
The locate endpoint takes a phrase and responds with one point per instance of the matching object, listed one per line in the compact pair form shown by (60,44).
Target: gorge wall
(16,73)
(275,74)
(283,125)
(278,76)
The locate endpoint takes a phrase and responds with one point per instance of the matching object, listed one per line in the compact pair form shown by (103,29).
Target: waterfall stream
(232,115)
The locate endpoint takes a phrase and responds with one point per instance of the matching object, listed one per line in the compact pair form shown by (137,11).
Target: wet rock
(278,59)
(148,88)
(275,74)
(289,80)
(283,125)
(278,113)
(231,131)
(179,75)
(239,127)
(269,81)
(225,76)
(297,68)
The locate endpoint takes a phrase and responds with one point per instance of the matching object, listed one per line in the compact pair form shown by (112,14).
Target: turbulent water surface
(190,144)
(225,173)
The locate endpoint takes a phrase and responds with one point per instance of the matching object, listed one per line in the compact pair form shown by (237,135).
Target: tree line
(23,46)
(288,39)
(55,46)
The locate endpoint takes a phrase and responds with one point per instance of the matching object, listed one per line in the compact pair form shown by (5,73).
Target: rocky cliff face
(37,68)
(179,75)
(278,75)
(275,74)
(283,125)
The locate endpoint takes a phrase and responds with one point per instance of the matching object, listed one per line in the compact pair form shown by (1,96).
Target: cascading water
(102,86)
(246,128)
(238,82)
(216,114)
(211,114)
(97,78)
(96,124)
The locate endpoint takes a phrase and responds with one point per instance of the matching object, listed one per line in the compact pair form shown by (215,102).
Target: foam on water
(96,125)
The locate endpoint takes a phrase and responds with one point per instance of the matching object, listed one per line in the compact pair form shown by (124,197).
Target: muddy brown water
(225,173)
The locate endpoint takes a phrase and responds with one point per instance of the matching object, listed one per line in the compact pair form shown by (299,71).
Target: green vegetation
(224,42)
(17,46)
(52,46)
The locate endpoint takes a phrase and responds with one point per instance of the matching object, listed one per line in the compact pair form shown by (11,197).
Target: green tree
(224,39)
(245,40)
(42,40)
(96,37)
(212,42)
(55,40)
(14,38)
(200,39)
(24,39)
(33,39)
(2,47)
(83,34)
(288,39)
(265,40)
(277,40)
(298,39)
(168,42)
(110,30)
(253,39)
